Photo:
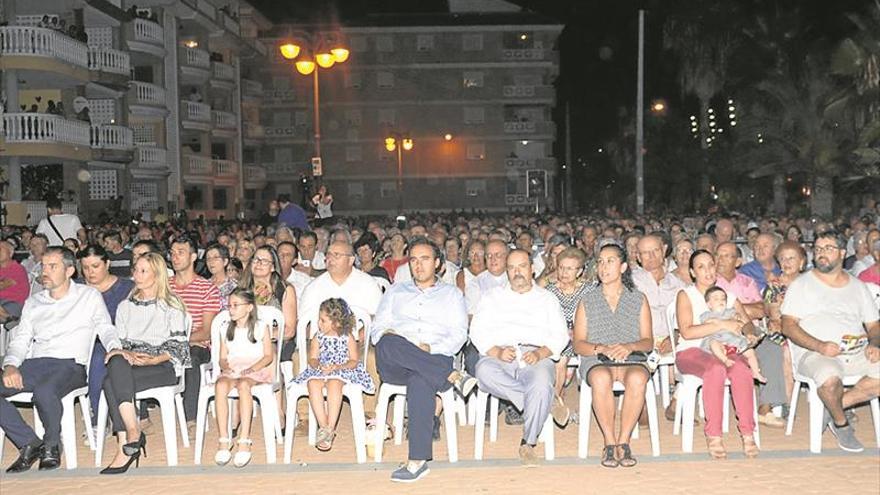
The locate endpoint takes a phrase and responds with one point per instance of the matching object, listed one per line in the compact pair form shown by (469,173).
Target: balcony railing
(111,137)
(148,31)
(224,167)
(109,60)
(198,165)
(197,112)
(522,54)
(231,24)
(42,42)
(517,127)
(39,128)
(223,120)
(193,57)
(206,8)
(142,93)
(223,71)
(254,173)
(252,87)
(151,157)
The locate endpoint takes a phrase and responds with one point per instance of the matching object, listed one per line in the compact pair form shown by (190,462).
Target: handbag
(635,357)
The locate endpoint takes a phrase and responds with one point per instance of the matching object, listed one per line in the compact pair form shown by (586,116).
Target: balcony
(146,36)
(150,163)
(147,100)
(197,165)
(38,134)
(529,127)
(195,65)
(523,91)
(195,115)
(531,163)
(225,123)
(43,50)
(254,177)
(111,137)
(251,88)
(225,167)
(231,24)
(109,60)
(525,54)
(223,71)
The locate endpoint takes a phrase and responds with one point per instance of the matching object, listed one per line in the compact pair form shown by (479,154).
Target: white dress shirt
(299,281)
(359,290)
(484,282)
(435,316)
(507,318)
(63,328)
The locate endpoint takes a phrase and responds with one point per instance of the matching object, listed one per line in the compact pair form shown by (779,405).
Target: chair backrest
(265,315)
(363,322)
(187,326)
(672,324)
(273,316)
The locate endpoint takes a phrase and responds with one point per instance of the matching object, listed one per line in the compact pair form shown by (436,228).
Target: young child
(245,361)
(334,360)
(722,344)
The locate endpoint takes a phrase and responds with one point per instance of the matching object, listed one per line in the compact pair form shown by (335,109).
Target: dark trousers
(49,379)
(97,372)
(192,380)
(470,355)
(402,363)
(124,380)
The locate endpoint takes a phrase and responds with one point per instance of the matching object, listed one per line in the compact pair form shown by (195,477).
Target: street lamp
(310,54)
(391,144)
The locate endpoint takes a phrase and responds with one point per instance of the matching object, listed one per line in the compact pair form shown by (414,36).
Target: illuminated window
(476,151)
(472,79)
(385,80)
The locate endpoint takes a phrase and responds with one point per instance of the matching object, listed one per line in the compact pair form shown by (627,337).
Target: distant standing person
(58,225)
(323,202)
(291,214)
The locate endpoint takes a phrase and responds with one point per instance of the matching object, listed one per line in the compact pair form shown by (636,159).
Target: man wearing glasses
(832,321)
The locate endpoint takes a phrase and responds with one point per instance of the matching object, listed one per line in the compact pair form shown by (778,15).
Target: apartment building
(473,90)
(148,103)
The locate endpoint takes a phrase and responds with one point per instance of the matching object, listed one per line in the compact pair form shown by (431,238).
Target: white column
(172,121)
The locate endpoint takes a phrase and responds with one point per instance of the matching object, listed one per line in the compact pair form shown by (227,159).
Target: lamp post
(399,142)
(310,53)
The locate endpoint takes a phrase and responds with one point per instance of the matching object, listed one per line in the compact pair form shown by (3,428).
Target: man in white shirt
(832,321)
(420,325)
(48,354)
(345,281)
(494,276)
(520,331)
(32,265)
(310,257)
(58,225)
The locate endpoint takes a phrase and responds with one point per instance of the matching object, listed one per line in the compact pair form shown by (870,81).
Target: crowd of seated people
(463,301)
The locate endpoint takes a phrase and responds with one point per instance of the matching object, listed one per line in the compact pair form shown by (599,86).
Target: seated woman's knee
(636,376)
(599,376)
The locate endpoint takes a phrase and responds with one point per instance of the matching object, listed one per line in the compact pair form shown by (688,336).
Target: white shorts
(821,368)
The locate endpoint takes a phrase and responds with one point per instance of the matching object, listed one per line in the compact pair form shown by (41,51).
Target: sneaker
(435,434)
(512,417)
(527,455)
(464,383)
(846,438)
(560,412)
(404,475)
(771,420)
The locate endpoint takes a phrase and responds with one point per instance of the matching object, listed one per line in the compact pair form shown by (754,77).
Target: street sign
(317,167)
(536,184)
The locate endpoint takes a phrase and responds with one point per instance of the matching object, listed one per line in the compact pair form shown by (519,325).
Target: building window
(385,80)
(425,42)
(144,134)
(353,117)
(353,80)
(281,119)
(472,79)
(475,187)
(384,44)
(472,42)
(220,198)
(387,116)
(358,43)
(356,190)
(476,151)
(353,153)
(474,115)
(388,189)
(300,119)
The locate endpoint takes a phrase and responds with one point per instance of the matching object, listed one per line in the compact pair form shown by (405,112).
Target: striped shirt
(199,296)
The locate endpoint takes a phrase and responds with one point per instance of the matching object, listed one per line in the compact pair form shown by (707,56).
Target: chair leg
(472,410)
(757,432)
(100,439)
(493,418)
(87,420)
(448,401)
(268,413)
(663,372)
(358,424)
(205,395)
(381,420)
(169,420)
(687,394)
(2,437)
(399,408)
(792,407)
(875,412)
(289,426)
(549,438)
(181,419)
(725,411)
(68,431)
(585,414)
(481,402)
(817,411)
(461,411)
(676,423)
(653,427)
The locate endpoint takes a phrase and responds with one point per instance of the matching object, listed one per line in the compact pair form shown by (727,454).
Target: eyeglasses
(826,249)
(496,256)
(262,261)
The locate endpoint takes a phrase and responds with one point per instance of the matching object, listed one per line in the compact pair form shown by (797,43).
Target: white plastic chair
(170,399)
(264,393)
(585,412)
(354,394)
(688,389)
(817,409)
(484,399)
(68,419)
(450,406)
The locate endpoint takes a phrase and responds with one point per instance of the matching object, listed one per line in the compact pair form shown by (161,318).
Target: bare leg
(831,393)
(752,359)
(316,399)
(561,370)
(719,352)
(334,402)
(634,379)
(246,410)
(601,383)
(221,404)
(866,389)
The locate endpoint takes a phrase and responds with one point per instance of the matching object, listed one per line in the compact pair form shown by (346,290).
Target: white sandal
(242,458)
(223,456)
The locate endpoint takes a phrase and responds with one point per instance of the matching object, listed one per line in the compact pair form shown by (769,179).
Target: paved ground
(785,466)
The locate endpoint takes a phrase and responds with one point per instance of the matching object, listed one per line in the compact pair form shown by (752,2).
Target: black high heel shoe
(133,450)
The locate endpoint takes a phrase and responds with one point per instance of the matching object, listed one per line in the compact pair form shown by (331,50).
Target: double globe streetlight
(399,142)
(309,53)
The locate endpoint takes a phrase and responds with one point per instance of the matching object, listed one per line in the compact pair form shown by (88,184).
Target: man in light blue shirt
(418,327)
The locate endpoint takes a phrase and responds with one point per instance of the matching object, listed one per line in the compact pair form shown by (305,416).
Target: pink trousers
(697,362)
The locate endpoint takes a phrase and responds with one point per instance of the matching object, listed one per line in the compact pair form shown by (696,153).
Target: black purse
(635,357)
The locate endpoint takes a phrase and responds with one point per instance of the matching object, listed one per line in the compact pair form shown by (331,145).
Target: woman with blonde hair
(151,325)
